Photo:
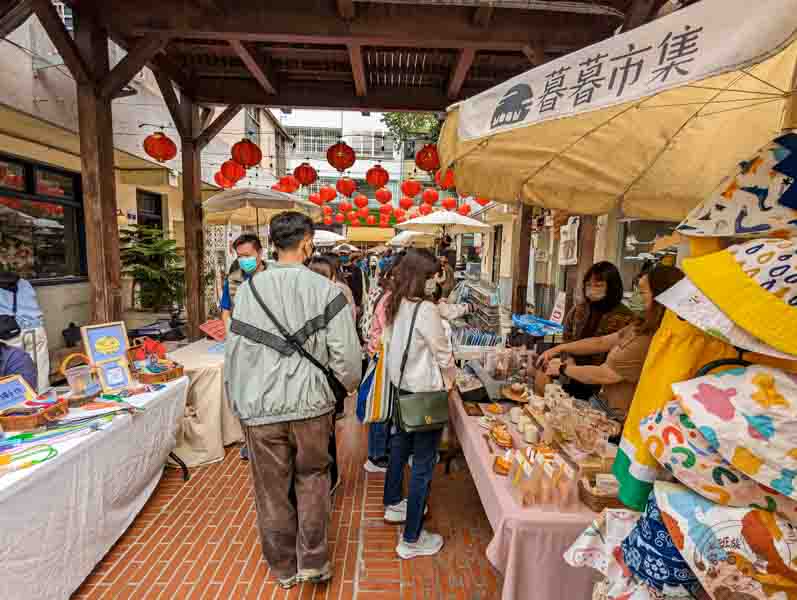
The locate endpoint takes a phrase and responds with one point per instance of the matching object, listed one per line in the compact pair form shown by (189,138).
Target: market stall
(60,517)
(208,424)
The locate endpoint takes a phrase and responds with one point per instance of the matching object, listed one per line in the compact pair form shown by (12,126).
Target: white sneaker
(428,544)
(397,514)
(372,467)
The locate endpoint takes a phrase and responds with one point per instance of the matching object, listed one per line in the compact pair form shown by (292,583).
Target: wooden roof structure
(354,54)
(368,55)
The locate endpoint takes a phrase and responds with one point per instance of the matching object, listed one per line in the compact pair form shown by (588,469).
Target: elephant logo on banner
(514,107)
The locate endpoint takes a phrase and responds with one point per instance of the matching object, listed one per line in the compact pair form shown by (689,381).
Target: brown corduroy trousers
(293,534)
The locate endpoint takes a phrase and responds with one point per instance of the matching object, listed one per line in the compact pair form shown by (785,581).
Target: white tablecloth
(58,519)
(208,424)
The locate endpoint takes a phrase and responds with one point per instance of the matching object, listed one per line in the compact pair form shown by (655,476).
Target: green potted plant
(154,263)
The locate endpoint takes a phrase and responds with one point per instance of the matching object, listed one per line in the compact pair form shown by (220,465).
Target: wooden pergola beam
(333,95)
(483,15)
(346,9)
(459,72)
(358,69)
(135,60)
(219,123)
(640,13)
(172,103)
(247,56)
(13,14)
(63,42)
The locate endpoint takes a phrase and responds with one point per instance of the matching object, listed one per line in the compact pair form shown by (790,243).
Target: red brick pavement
(198,540)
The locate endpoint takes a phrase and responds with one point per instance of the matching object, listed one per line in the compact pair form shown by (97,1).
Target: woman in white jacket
(430,368)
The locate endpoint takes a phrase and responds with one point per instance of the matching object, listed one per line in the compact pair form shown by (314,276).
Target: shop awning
(650,120)
(369,234)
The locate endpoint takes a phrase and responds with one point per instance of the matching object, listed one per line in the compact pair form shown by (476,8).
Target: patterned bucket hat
(678,445)
(758,200)
(749,415)
(755,285)
(651,556)
(736,553)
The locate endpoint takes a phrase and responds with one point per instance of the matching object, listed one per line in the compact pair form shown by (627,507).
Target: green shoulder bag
(422,411)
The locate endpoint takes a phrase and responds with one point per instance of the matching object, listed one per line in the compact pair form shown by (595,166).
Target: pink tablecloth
(528,543)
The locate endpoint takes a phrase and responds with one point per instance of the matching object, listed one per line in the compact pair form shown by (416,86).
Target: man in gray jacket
(284,401)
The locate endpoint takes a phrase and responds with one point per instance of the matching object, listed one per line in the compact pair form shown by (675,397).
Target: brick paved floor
(198,540)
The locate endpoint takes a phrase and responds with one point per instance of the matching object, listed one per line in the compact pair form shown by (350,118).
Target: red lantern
(355,222)
(289,183)
(377,176)
(449,203)
(384,221)
(464,210)
(326,209)
(398,213)
(386,210)
(370,219)
(344,206)
(445,182)
(222,181)
(411,188)
(363,213)
(327,220)
(316,199)
(482,201)
(339,218)
(361,201)
(427,158)
(425,209)
(351,215)
(276,187)
(430,196)
(234,172)
(246,153)
(383,195)
(327,193)
(406,203)
(341,156)
(160,147)
(346,186)
(400,219)
(305,174)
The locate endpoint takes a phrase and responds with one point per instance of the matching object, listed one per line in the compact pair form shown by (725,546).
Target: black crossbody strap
(409,340)
(292,340)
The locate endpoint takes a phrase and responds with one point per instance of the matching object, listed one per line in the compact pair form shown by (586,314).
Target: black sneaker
(244,452)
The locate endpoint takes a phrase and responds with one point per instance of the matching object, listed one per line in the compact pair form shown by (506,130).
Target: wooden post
(586,257)
(97,169)
(192,219)
(520,271)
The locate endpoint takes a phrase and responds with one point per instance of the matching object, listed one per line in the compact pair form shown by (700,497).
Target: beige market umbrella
(649,120)
(407,239)
(253,206)
(444,222)
(324,238)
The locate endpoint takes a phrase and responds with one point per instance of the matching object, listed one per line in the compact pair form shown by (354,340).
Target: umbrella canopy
(444,222)
(326,238)
(377,250)
(649,120)
(252,206)
(345,248)
(407,239)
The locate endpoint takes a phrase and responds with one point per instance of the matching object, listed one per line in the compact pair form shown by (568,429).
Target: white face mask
(595,294)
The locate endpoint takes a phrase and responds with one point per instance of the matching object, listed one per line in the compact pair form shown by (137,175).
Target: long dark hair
(608,273)
(409,280)
(322,266)
(660,279)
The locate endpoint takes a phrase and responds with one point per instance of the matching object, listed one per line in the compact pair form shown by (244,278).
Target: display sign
(568,243)
(703,40)
(558,312)
(15,390)
(105,342)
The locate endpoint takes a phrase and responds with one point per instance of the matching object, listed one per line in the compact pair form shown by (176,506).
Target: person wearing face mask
(625,350)
(248,248)
(285,401)
(601,313)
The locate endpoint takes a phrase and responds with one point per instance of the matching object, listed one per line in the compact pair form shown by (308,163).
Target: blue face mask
(344,260)
(248,264)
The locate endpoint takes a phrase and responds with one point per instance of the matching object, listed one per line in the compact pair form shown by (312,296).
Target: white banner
(705,39)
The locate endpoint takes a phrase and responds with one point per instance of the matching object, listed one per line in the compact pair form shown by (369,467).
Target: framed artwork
(114,375)
(104,342)
(14,391)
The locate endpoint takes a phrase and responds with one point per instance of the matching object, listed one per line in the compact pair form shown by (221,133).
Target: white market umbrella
(345,248)
(324,238)
(444,222)
(253,206)
(648,121)
(407,239)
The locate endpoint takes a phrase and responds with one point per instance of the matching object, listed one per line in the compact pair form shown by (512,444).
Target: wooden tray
(164,377)
(33,418)
(594,502)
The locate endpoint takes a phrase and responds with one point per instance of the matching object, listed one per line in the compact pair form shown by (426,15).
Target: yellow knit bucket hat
(755,285)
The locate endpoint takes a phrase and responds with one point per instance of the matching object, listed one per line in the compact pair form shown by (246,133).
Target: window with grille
(252,124)
(313,141)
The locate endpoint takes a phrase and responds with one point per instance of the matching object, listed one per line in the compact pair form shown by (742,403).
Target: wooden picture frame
(15,391)
(114,375)
(104,342)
